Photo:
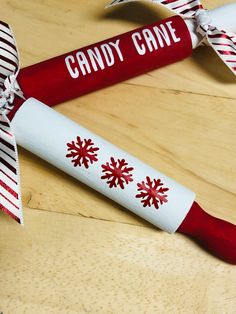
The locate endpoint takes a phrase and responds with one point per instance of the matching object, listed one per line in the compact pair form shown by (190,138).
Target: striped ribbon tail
(9,62)
(10,197)
(10,201)
(223,42)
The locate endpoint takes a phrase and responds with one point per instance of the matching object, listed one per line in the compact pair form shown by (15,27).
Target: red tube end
(216,235)
(18,102)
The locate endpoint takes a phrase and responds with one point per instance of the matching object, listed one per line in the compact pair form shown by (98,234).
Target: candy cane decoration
(222,41)
(10,197)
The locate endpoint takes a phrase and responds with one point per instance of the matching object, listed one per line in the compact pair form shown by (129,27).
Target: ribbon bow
(10,197)
(223,42)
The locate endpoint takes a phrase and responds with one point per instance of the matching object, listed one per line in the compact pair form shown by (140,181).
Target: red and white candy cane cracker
(123,178)
(102,166)
(127,55)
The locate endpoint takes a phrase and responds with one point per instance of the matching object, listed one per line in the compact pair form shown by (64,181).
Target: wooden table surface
(78,251)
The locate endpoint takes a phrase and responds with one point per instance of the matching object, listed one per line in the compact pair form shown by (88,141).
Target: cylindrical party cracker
(127,55)
(108,62)
(102,166)
(123,178)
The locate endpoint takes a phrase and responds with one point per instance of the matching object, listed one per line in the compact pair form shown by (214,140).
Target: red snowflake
(152,193)
(82,152)
(117,173)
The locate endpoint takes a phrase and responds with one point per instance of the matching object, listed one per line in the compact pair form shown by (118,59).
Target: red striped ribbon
(222,41)
(10,197)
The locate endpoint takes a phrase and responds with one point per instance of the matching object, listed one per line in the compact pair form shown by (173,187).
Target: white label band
(101,165)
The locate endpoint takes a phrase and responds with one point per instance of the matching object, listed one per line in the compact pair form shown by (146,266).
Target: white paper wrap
(45,132)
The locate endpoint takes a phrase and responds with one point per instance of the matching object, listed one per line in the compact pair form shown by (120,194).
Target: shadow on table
(5,219)
(137,13)
(206,58)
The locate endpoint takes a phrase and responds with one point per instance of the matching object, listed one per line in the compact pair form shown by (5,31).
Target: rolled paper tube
(106,63)
(120,176)
(119,58)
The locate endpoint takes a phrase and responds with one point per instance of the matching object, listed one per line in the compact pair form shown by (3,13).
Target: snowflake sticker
(152,192)
(82,152)
(117,173)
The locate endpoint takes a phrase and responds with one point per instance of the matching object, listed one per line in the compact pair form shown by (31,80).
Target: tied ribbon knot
(10,196)
(204,22)
(222,41)
(7,95)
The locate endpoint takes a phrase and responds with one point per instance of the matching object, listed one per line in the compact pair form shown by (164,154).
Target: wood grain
(79,252)
(65,264)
